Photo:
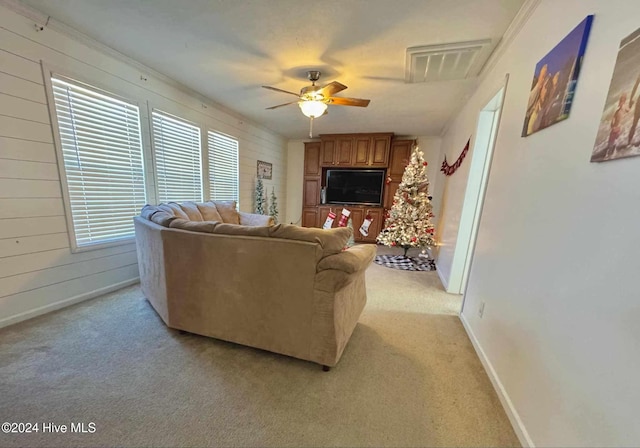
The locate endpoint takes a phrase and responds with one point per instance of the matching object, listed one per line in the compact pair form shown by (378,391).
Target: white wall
(556,261)
(295,176)
(38,272)
(429,145)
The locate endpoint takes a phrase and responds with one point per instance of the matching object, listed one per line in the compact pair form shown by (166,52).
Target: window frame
(203,161)
(48,73)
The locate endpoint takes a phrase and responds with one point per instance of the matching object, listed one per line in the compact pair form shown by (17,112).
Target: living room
(543,344)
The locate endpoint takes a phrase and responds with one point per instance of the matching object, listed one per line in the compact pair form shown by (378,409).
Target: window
(103,165)
(177,153)
(223,167)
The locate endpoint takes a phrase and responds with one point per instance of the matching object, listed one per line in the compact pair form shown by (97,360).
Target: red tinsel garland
(450,169)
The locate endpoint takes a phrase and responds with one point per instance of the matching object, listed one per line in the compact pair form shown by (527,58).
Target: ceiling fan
(313,100)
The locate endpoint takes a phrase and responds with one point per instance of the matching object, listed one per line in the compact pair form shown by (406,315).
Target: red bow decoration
(450,169)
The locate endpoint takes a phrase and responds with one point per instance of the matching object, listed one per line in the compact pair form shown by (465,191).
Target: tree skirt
(406,263)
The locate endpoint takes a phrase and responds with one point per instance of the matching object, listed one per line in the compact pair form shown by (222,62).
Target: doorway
(484,142)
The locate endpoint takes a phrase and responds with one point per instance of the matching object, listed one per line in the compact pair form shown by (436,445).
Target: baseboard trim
(512,414)
(445,284)
(64,303)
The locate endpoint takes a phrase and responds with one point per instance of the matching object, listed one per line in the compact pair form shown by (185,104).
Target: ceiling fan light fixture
(312,109)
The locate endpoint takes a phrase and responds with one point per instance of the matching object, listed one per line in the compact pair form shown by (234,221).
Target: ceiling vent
(446,62)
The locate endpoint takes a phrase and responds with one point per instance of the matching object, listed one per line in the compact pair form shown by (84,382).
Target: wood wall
(38,272)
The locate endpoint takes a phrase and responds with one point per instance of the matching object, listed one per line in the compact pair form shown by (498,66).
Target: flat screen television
(354,187)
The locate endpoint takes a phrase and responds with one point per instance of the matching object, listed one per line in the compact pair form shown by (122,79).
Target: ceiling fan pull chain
(311,127)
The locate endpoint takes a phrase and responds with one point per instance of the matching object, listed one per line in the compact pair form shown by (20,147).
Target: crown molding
(518,22)
(523,15)
(44,20)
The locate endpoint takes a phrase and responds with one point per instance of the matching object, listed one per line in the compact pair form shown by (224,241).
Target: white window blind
(102,152)
(177,153)
(223,167)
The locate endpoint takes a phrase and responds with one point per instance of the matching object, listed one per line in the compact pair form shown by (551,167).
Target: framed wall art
(618,135)
(555,79)
(265,170)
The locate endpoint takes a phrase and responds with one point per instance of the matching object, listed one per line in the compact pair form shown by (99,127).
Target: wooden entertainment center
(354,151)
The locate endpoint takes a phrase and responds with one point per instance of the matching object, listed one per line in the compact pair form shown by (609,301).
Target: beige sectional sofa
(211,270)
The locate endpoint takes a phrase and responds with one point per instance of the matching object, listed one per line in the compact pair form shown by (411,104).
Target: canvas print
(555,79)
(618,135)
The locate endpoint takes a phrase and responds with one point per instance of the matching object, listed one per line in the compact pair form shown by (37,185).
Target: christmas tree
(260,199)
(273,207)
(409,222)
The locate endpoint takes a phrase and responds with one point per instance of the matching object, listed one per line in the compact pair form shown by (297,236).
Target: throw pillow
(209,211)
(227,210)
(192,211)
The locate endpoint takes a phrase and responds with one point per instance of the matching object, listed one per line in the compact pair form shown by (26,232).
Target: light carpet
(408,377)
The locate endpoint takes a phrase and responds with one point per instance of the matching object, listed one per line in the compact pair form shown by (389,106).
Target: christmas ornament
(450,169)
(329,221)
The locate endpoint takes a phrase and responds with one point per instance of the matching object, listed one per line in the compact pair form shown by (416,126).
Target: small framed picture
(265,170)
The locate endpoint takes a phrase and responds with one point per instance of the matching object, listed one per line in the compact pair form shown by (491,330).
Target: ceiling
(226,50)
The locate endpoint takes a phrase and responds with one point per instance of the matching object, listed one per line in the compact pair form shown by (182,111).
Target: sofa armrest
(254,219)
(354,259)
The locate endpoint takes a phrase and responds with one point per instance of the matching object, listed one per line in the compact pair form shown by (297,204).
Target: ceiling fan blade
(337,101)
(280,90)
(332,88)
(281,105)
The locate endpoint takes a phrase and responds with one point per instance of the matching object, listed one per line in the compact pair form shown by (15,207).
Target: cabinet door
(327,152)
(380,151)
(312,166)
(362,151)
(400,156)
(344,151)
(311,192)
(389,193)
(376,225)
(310,217)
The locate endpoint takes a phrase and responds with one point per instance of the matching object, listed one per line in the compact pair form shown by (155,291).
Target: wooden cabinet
(380,149)
(358,215)
(337,152)
(351,151)
(310,217)
(355,150)
(362,151)
(328,152)
(311,192)
(312,164)
(344,152)
(400,155)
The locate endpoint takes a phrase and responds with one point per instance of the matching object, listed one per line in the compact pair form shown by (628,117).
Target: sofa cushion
(253,219)
(148,211)
(208,211)
(194,226)
(163,218)
(332,241)
(173,208)
(237,229)
(353,259)
(192,211)
(227,210)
